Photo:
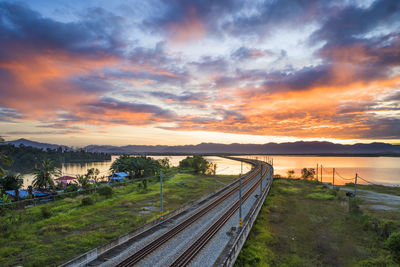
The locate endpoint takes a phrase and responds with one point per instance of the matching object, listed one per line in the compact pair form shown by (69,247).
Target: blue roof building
(118,177)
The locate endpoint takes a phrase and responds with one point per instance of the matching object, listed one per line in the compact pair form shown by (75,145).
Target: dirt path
(377,201)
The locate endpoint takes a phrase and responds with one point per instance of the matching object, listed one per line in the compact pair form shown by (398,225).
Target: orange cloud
(189,29)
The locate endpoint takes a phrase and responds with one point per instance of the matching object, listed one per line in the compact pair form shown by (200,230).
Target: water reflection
(381,170)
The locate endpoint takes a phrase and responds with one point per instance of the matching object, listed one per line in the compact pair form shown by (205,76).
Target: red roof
(65,178)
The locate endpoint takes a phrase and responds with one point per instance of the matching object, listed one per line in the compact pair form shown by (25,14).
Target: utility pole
(333,178)
(240,195)
(215,178)
(355,185)
(317,171)
(161,198)
(240,201)
(261,178)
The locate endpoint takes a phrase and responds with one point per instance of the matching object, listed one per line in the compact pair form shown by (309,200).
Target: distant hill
(297,148)
(294,148)
(39,145)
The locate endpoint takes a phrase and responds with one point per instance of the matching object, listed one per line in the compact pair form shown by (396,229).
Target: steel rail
(149,248)
(188,255)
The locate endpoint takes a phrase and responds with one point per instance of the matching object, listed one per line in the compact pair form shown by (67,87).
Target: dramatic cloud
(304,69)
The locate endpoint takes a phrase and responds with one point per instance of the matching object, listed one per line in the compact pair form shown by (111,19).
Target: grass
(305,224)
(32,237)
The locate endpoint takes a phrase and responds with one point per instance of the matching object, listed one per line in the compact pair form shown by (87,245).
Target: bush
(46,212)
(86,201)
(105,190)
(385,228)
(333,192)
(308,173)
(393,243)
(72,188)
(197,164)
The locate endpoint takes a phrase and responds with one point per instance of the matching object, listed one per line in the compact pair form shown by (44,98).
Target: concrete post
(355,185)
(215,178)
(161,198)
(240,201)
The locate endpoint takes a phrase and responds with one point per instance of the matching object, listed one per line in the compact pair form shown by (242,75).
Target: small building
(118,177)
(65,180)
(24,193)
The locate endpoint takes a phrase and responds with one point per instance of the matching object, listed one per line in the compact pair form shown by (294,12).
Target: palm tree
(4,160)
(12,181)
(44,174)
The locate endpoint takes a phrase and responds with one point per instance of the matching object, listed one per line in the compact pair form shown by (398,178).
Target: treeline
(141,166)
(26,158)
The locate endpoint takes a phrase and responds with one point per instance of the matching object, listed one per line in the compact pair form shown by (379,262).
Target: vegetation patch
(297,230)
(289,190)
(321,196)
(53,233)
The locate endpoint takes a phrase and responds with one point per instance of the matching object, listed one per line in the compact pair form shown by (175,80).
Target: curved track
(152,246)
(187,256)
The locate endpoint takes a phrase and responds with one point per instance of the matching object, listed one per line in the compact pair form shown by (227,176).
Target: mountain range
(35,144)
(297,148)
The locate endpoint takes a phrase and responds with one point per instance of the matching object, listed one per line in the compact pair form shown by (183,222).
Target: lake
(380,170)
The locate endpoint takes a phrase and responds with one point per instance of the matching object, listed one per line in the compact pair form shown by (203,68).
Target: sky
(176,72)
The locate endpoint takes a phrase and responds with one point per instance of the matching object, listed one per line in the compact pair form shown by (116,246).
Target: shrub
(308,173)
(86,201)
(46,212)
(333,192)
(105,190)
(198,164)
(354,205)
(393,243)
(385,228)
(72,188)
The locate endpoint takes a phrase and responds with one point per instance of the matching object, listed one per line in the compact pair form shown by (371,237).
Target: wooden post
(333,178)
(317,172)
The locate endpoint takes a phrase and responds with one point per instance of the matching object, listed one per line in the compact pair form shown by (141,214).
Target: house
(118,177)
(24,193)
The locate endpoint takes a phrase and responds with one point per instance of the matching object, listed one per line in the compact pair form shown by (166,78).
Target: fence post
(355,185)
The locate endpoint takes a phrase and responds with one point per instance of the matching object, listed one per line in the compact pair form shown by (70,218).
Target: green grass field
(305,224)
(28,238)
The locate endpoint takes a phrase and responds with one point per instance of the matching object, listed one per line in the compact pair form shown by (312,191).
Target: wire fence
(337,176)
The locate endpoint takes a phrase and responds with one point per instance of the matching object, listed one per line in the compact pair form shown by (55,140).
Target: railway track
(149,248)
(188,255)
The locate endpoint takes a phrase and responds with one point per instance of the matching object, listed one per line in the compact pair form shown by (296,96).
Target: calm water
(380,170)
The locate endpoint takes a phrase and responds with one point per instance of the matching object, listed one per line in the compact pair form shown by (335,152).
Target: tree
(43,176)
(12,181)
(197,163)
(290,173)
(83,180)
(308,173)
(164,162)
(393,243)
(136,166)
(4,160)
